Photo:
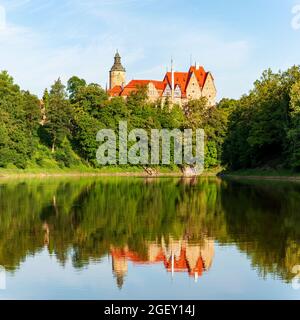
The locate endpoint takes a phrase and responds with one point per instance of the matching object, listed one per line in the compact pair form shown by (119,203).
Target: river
(149,238)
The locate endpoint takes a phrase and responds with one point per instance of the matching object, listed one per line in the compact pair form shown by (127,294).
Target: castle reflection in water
(159,227)
(174,255)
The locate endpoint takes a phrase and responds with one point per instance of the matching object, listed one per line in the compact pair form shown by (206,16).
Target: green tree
(294,129)
(259,130)
(90,98)
(213,120)
(18,122)
(58,115)
(74,84)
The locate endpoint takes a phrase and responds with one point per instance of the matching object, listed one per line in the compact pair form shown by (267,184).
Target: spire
(196,277)
(173,79)
(117,64)
(173,265)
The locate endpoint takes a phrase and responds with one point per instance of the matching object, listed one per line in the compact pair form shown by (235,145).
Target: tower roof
(118,65)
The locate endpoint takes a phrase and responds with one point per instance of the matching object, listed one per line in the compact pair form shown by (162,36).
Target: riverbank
(260,174)
(253,174)
(90,172)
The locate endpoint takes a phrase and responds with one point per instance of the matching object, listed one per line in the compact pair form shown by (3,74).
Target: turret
(117,73)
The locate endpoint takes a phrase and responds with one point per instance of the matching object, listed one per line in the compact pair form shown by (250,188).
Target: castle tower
(117,75)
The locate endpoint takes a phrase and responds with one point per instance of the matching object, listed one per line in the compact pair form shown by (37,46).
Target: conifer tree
(58,115)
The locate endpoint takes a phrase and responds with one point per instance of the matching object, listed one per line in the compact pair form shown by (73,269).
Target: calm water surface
(135,238)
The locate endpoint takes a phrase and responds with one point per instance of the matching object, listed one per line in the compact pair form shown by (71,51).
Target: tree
(58,114)
(84,134)
(90,98)
(294,130)
(264,123)
(19,116)
(138,98)
(199,115)
(32,112)
(74,84)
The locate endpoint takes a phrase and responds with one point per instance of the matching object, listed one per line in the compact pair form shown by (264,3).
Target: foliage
(58,115)
(19,115)
(61,129)
(263,129)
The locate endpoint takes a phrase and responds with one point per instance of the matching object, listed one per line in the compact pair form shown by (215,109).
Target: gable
(209,82)
(193,89)
(168,91)
(177,92)
(200,75)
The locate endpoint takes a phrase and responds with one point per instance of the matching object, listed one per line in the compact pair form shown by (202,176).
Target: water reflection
(175,255)
(171,222)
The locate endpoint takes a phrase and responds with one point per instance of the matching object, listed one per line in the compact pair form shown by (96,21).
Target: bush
(65,156)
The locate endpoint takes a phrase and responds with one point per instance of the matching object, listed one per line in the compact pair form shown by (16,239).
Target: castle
(178,87)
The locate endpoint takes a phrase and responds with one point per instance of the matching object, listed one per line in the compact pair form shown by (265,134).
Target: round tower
(117,75)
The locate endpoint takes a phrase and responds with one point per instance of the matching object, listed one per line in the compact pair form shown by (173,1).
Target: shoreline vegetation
(251,174)
(104,172)
(60,131)
(259,174)
(256,136)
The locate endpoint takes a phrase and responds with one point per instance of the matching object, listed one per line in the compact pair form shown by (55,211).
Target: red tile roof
(181,79)
(133,85)
(115,91)
(200,75)
(136,83)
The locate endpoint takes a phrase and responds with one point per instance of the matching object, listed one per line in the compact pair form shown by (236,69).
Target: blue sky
(234,39)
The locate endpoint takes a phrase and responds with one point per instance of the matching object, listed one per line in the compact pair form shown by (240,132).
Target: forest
(259,130)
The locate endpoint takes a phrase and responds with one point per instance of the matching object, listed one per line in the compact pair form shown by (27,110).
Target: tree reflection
(173,222)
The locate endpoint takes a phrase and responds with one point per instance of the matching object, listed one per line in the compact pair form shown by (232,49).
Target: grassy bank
(262,174)
(86,171)
(76,171)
